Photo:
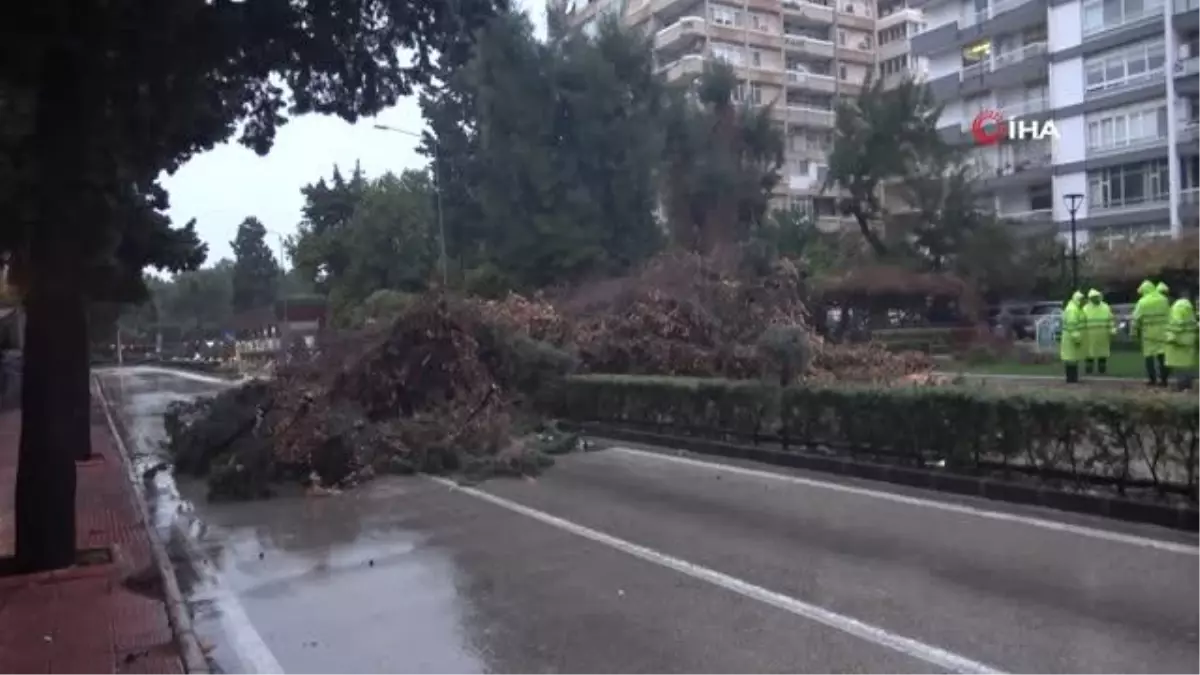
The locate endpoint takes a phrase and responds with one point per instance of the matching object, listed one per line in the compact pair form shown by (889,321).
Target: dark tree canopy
(256,272)
(97,99)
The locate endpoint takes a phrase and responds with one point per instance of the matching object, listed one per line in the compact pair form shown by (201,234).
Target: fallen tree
(438,389)
(455,385)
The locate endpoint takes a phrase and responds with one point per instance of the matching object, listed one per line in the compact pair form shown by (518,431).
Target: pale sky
(221,187)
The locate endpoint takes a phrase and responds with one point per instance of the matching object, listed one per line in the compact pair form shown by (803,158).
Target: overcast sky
(228,183)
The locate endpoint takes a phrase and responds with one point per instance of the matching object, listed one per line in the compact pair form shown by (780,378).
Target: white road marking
(874,634)
(1054,526)
(251,649)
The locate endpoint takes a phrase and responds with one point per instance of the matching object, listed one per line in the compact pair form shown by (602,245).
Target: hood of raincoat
(1095,296)
(1162,288)
(1145,288)
(1077,298)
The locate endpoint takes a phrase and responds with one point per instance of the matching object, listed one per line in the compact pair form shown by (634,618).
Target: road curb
(971,486)
(180,619)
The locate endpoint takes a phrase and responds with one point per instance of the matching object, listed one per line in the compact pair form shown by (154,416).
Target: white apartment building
(1118,78)
(798,55)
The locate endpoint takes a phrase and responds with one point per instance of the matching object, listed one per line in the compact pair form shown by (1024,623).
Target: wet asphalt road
(629,561)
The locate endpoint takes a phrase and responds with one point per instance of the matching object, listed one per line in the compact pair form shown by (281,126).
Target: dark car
(1025,327)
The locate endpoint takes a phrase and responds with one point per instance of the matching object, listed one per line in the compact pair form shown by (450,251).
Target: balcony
(1189,195)
(799,79)
(1147,15)
(1126,146)
(1186,67)
(809,46)
(993,63)
(686,66)
(1025,108)
(993,10)
(682,32)
(907,14)
(808,11)
(1033,217)
(1131,204)
(806,116)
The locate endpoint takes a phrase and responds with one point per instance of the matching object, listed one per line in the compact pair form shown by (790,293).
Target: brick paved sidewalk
(85,619)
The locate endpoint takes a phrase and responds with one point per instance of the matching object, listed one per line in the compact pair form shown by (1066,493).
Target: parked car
(1025,326)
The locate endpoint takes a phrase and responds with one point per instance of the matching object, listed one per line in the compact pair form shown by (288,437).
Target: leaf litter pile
(438,390)
(455,385)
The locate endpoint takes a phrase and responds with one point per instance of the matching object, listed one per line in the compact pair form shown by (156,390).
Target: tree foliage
(255,270)
(884,135)
(547,153)
(722,163)
(101,99)
(936,218)
(361,235)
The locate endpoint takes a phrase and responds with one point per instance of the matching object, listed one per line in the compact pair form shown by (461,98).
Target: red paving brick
(83,620)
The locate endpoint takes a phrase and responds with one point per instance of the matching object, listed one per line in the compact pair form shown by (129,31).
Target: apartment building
(1118,78)
(799,55)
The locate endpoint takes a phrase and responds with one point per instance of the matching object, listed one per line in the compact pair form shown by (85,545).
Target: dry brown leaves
(689,315)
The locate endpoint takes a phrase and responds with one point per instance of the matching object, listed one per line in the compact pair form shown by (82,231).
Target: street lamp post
(1073,201)
(437,192)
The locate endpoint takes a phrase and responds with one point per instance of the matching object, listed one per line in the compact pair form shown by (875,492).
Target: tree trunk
(55,400)
(55,409)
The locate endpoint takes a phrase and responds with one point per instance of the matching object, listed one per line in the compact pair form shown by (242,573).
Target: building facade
(798,55)
(1118,79)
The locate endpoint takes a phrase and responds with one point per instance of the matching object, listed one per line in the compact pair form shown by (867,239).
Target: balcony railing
(1152,13)
(1187,66)
(798,76)
(1126,145)
(993,10)
(821,114)
(1182,6)
(817,45)
(1033,216)
(1132,204)
(1189,195)
(1030,106)
(1001,60)
(675,30)
(806,4)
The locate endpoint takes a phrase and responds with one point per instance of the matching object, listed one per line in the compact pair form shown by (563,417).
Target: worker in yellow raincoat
(1150,327)
(1180,340)
(1098,329)
(1072,347)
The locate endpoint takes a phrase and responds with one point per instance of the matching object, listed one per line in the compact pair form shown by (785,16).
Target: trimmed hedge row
(1146,440)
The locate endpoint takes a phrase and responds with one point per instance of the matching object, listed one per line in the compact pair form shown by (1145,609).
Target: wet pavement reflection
(340,583)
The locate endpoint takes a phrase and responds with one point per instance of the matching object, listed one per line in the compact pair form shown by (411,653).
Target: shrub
(787,350)
(1113,437)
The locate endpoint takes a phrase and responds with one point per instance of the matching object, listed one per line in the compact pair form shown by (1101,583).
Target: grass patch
(1122,365)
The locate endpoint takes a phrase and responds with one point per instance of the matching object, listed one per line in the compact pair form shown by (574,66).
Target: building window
(756,93)
(842,73)
(1041,197)
(1124,67)
(842,38)
(1125,127)
(725,16)
(1129,185)
(727,53)
(1101,15)
(756,58)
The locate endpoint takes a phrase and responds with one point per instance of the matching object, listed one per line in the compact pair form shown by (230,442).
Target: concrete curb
(194,660)
(1187,519)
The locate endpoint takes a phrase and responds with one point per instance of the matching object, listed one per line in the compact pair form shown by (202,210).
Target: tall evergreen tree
(548,153)
(255,270)
(722,163)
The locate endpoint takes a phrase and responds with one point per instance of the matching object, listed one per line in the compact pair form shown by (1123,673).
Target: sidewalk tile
(84,620)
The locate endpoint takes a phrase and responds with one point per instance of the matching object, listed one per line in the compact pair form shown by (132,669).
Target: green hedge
(1143,440)
(929,340)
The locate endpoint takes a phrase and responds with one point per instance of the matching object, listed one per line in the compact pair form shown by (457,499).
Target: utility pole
(437,191)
